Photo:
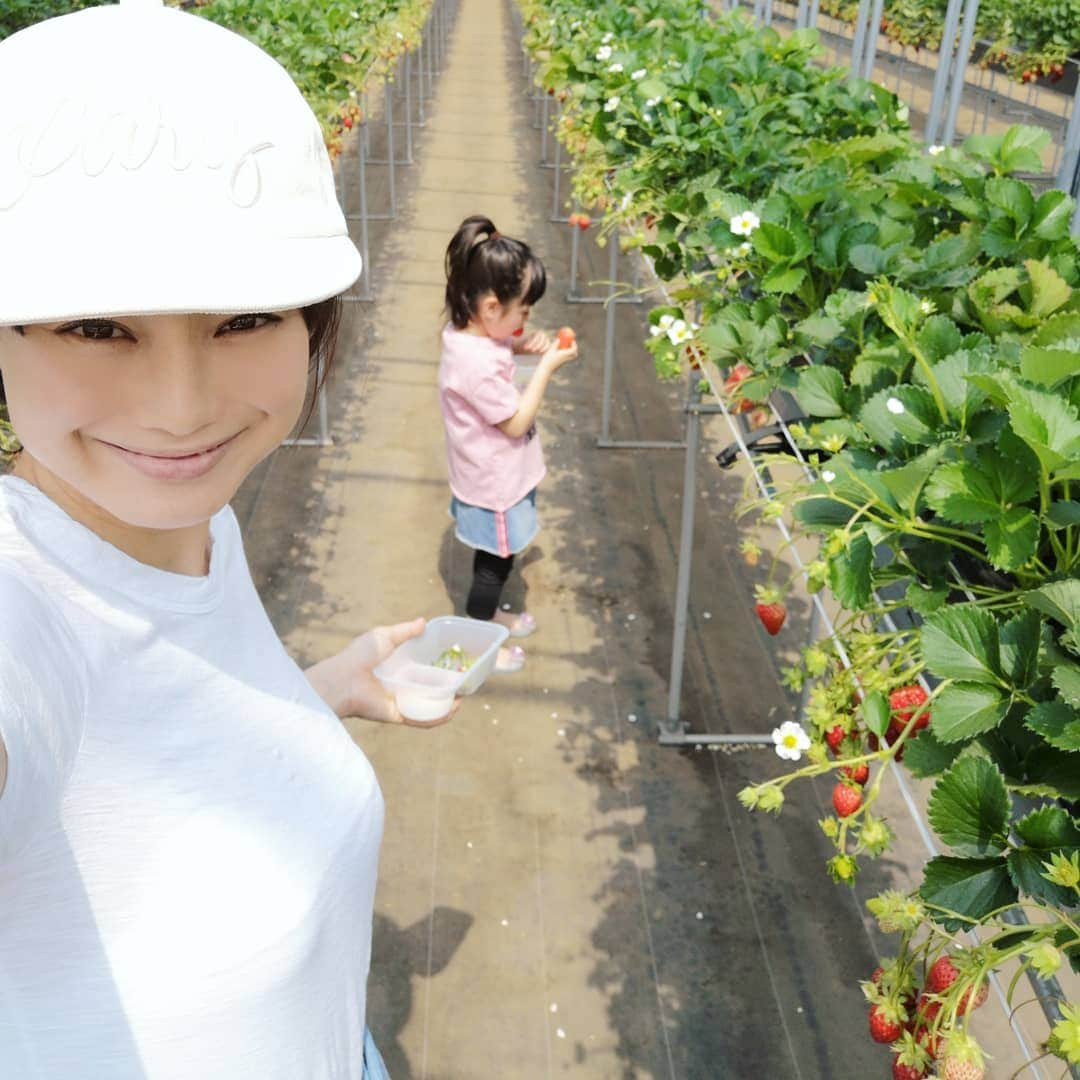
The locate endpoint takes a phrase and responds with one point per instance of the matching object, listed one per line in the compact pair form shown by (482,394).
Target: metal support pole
(871,43)
(802,15)
(555,207)
(545,109)
(609,338)
(575,248)
(942,74)
(365,246)
(858,44)
(815,6)
(408,109)
(963,51)
(686,551)
(390,146)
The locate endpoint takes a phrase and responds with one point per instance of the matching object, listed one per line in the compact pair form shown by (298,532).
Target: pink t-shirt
(477,392)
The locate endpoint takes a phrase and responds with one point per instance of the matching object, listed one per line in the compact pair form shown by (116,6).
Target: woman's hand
(346,682)
(537,343)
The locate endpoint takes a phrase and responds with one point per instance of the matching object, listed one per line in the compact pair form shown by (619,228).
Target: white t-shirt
(188,835)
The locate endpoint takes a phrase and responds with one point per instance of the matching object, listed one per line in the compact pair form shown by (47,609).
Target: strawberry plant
(924,311)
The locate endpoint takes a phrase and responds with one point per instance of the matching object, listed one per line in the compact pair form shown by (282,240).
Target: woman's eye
(249,322)
(96,330)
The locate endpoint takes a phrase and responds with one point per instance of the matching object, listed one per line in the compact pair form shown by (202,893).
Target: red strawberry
(347,121)
(875,975)
(858,773)
(583,221)
(566,337)
(846,799)
(904,702)
(942,974)
(737,374)
(834,737)
(901,1071)
(883,1028)
(772,616)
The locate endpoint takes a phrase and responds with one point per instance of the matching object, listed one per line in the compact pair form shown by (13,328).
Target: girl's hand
(554,357)
(538,343)
(346,682)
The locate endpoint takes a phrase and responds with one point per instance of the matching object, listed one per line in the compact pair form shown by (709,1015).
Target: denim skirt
(499,532)
(374,1066)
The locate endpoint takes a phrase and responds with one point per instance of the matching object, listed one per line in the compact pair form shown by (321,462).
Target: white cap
(154,162)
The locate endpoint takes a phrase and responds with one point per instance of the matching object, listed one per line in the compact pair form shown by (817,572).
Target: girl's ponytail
(479,260)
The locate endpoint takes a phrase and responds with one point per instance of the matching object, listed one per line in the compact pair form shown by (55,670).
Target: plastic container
(425,693)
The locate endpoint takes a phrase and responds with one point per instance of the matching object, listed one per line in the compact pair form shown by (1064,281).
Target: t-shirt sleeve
(42,711)
(496,399)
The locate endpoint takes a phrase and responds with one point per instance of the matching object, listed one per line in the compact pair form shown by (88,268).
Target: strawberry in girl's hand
(519,331)
(770,610)
(566,337)
(846,799)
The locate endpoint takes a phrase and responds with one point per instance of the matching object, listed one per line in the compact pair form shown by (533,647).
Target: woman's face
(155,420)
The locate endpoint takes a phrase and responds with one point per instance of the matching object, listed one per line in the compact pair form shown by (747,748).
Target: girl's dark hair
(481,260)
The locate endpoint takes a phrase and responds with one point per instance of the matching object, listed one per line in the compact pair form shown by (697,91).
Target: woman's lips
(188,466)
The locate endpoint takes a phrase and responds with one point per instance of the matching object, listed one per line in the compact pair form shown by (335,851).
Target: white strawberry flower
(679,333)
(400,36)
(651,103)
(902,114)
(355,14)
(647,117)
(611,104)
(604,52)
(934,150)
(656,331)
(745,248)
(666,322)
(606,38)
(895,406)
(639,74)
(828,475)
(615,69)
(790,740)
(745,223)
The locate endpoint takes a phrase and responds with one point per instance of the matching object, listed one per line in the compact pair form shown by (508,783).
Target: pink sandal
(510,660)
(523,626)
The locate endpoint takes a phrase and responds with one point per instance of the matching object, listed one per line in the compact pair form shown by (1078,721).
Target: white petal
(895,406)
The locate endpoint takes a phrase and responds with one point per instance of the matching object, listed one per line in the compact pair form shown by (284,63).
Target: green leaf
(1021,149)
(919,422)
(965,709)
(1011,539)
(782,279)
(849,573)
(961,492)
(818,330)
(924,599)
(1012,196)
(927,756)
(969,808)
(1020,638)
(820,391)
(1051,772)
(1066,677)
(938,338)
(876,712)
(1048,367)
(962,643)
(970,888)
(906,483)
(1052,216)
(1060,600)
(1047,423)
(1057,723)
(1049,290)
(1063,514)
(1044,832)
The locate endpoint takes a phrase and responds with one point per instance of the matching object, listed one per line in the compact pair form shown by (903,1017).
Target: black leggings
(489,576)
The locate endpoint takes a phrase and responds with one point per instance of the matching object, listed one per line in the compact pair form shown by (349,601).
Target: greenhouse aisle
(558,894)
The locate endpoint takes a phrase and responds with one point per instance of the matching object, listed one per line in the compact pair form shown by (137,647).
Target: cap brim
(147,279)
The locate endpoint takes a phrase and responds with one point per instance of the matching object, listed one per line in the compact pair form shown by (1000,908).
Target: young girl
(188,835)
(492,448)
